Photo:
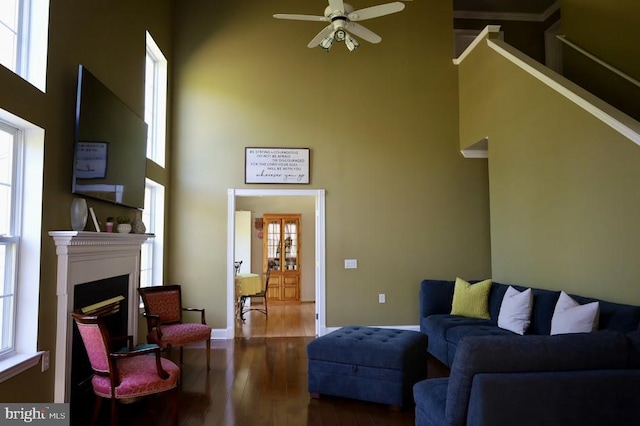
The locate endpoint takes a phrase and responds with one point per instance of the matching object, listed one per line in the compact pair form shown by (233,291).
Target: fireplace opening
(85,295)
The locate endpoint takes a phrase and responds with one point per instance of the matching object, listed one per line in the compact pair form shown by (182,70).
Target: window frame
(28,227)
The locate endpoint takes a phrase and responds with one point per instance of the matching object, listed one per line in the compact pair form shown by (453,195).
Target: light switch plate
(350,264)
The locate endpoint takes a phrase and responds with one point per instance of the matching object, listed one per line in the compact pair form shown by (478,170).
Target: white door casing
(320,261)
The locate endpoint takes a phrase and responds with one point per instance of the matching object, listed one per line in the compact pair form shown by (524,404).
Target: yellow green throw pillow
(471,300)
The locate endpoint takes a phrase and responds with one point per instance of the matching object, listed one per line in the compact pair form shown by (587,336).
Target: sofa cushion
(544,302)
(495,299)
(471,300)
(436,327)
(454,335)
(515,311)
(614,316)
(570,316)
(435,297)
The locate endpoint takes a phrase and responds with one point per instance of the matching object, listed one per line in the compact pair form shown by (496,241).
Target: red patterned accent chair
(163,311)
(122,373)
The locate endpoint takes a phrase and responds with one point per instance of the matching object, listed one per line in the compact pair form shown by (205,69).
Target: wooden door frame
(320,261)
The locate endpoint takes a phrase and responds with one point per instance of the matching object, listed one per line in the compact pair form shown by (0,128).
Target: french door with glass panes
(281,249)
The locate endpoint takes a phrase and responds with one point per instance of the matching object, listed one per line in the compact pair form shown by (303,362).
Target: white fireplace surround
(85,257)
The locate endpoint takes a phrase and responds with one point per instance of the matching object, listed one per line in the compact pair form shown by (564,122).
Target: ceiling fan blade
(300,17)
(326,31)
(375,11)
(363,33)
(336,5)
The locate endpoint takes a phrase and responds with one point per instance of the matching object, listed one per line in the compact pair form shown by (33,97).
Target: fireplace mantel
(85,257)
(92,239)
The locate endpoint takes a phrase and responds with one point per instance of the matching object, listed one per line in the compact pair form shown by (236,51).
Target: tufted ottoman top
(370,346)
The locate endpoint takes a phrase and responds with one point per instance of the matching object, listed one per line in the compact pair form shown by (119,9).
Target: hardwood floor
(255,381)
(284,320)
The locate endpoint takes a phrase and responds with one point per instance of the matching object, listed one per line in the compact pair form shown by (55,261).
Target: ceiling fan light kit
(342,23)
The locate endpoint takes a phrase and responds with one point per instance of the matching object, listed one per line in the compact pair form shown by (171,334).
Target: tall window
(151,262)
(10,13)
(155,115)
(21,143)
(155,104)
(10,208)
(23,38)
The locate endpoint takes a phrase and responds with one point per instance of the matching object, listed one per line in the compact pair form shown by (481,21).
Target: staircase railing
(613,117)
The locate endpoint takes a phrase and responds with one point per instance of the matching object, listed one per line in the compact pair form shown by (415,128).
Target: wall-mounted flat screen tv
(110,147)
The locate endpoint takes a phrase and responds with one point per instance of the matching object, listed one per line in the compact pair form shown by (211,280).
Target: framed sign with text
(276,165)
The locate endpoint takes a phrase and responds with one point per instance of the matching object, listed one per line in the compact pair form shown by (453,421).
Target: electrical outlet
(45,360)
(350,264)
(382,298)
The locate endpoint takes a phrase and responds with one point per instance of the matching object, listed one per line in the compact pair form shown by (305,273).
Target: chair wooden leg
(168,348)
(208,344)
(114,412)
(174,405)
(96,410)
(266,310)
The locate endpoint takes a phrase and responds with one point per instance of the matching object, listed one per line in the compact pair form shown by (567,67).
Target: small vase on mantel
(137,226)
(124,228)
(78,214)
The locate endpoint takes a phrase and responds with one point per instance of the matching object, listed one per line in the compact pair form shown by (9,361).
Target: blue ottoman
(366,363)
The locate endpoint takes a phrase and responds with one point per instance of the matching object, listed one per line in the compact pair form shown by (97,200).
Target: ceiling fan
(343,22)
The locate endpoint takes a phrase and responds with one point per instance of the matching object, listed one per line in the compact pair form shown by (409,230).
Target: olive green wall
(109,38)
(610,31)
(565,199)
(381,123)
(306,207)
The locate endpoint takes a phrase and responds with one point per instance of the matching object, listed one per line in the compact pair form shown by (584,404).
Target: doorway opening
(320,255)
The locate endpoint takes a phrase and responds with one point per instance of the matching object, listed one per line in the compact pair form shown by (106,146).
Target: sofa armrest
(589,397)
(521,354)
(436,297)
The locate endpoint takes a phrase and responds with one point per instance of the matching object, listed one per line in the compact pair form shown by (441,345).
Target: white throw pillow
(515,310)
(571,317)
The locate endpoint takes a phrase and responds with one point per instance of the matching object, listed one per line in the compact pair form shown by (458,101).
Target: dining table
(246,285)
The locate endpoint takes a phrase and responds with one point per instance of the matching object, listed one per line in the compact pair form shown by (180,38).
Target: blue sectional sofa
(445,331)
(500,378)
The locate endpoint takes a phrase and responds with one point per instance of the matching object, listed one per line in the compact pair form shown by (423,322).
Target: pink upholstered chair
(124,375)
(163,311)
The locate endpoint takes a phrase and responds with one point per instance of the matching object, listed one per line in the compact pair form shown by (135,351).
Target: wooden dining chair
(261,295)
(123,373)
(236,267)
(163,310)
